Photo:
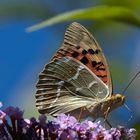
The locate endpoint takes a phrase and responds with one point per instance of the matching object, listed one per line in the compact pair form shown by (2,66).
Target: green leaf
(118,13)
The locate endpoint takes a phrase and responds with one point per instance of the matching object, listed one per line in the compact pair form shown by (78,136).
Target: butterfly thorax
(105,106)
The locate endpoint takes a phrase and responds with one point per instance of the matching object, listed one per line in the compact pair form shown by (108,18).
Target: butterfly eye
(118,96)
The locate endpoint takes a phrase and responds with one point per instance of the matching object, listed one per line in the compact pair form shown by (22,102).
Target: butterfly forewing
(76,77)
(81,45)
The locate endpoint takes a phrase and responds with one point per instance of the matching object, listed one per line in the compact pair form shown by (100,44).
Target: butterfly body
(103,108)
(77,77)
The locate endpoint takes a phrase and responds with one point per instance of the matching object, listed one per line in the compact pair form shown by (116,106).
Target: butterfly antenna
(125,105)
(125,91)
(131,116)
(130,82)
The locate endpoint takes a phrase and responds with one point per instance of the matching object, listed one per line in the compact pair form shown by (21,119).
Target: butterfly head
(119,99)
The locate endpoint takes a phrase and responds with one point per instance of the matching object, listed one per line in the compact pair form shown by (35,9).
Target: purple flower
(14,112)
(131,134)
(65,121)
(116,134)
(33,121)
(27,121)
(65,127)
(100,128)
(73,134)
(94,135)
(87,129)
(107,135)
(64,135)
(42,120)
(88,125)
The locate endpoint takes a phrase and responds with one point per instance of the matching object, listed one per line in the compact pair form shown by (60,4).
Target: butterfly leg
(81,111)
(106,113)
(105,117)
(108,123)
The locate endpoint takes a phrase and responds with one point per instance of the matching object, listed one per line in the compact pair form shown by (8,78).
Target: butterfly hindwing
(67,85)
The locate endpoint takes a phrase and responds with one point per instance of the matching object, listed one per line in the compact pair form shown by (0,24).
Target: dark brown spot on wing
(84,60)
(75,54)
(91,51)
(100,66)
(94,63)
(97,51)
(84,52)
(78,47)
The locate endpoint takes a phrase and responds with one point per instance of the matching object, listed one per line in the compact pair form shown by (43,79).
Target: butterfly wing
(65,85)
(70,81)
(81,45)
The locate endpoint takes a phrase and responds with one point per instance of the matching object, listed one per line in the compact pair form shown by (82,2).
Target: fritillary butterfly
(77,77)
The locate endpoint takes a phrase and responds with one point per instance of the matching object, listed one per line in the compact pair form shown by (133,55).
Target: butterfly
(77,77)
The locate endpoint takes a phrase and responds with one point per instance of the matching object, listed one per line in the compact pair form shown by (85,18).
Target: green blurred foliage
(119,14)
(134,4)
(24,10)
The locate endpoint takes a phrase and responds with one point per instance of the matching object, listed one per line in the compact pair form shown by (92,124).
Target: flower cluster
(65,127)
(71,129)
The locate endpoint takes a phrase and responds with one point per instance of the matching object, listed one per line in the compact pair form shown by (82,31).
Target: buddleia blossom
(65,127)
(66,121)
(87,130)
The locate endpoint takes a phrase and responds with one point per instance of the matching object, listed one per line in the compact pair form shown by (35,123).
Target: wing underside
(81,45)
(77,75)
(66,85)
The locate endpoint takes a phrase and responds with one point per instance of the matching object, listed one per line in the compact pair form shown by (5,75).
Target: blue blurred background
(23,55)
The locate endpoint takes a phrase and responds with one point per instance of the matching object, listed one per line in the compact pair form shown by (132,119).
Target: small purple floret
(65,121)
